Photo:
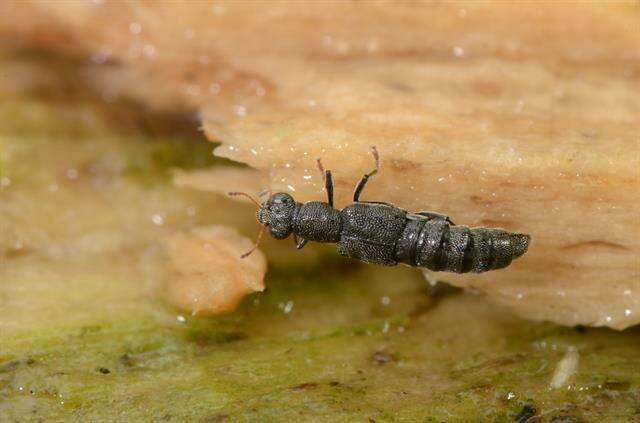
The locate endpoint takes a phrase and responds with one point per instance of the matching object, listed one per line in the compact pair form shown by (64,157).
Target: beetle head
(277,214)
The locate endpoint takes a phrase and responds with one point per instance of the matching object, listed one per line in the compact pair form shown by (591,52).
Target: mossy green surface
(85,336)
(337,355)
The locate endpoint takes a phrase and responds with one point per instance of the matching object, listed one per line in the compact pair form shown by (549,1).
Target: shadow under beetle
(381,233)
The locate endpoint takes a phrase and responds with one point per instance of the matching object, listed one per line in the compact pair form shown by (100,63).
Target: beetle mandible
(381,233)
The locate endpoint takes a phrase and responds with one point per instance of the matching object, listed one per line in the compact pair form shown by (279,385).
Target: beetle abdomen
(495,248)
(440,246)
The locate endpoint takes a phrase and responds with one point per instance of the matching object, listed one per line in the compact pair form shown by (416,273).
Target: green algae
(84,335)
(151,160)
(261,364)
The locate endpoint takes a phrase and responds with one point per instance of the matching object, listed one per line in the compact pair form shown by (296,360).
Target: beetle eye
(281,198)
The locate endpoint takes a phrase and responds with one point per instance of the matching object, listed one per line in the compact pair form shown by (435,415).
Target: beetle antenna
(376,157)
(244,194)
(264,192)
(255,246)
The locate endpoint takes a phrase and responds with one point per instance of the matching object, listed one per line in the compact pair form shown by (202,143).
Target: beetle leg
(435,215)
(300,242)
(328,182)
(328,186)
(365,178)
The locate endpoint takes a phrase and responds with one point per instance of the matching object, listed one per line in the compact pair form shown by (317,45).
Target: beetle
(381,233)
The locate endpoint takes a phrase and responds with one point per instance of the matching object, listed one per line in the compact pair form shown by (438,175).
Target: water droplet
(343,47)
(627,312)
(180,318)
(286,307)
(214,88)
(218,10)
(149,50)
(157,219)
(385,301)
(372,46)
(98,58)
(240,110)
(192,89)
(458,51)
(135,28)
(72,173)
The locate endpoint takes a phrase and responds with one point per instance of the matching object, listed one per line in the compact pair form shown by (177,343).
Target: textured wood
(520,116)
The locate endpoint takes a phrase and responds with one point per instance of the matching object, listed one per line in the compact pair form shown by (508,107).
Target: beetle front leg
(328,182)
(299,242)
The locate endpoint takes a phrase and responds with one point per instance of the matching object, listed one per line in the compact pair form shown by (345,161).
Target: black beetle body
(383,234)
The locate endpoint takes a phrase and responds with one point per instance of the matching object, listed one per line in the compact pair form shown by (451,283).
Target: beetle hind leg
(365,178)
(435,216)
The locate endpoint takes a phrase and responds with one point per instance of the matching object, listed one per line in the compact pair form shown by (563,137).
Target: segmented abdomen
(438,246)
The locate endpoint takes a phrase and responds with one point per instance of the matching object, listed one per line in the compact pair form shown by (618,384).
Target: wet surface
(87,335)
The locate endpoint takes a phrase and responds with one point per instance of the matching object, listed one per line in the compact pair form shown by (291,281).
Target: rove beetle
(381,233)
